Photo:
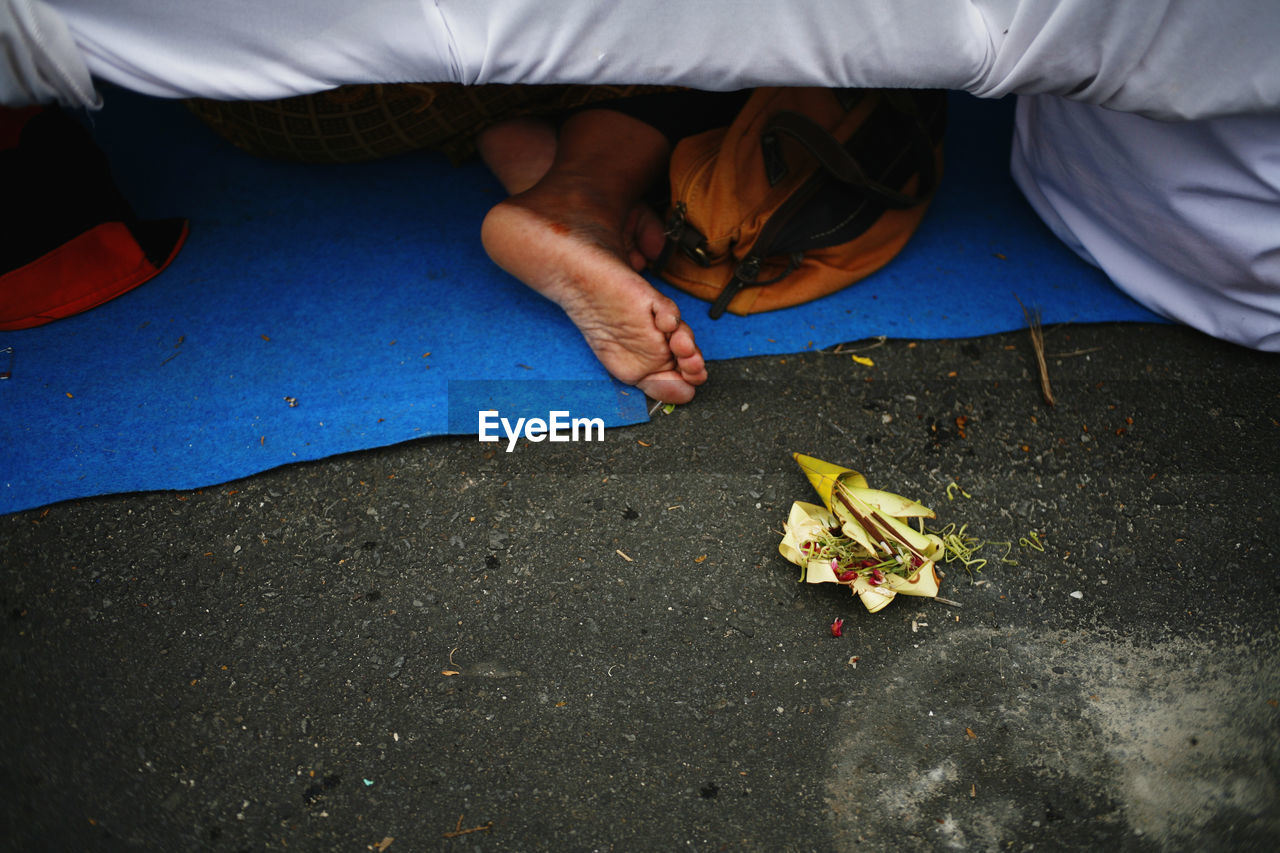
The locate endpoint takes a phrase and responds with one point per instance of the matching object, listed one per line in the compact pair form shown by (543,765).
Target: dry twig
(839,349)
(1037,343)
(458,830)
(1074,353)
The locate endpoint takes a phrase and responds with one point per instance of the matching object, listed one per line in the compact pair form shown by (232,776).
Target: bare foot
(559,239)
(580,235)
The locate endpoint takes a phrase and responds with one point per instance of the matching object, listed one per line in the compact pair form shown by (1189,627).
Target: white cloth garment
(1173,59)
(39,61)
(1148,133)
(1182,216)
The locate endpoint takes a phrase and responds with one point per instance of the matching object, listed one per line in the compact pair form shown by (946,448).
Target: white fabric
(1184,216)
(39,62)
(1163,58)
(256,49)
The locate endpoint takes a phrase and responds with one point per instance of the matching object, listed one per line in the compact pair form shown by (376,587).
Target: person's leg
(578,236)
(518,151)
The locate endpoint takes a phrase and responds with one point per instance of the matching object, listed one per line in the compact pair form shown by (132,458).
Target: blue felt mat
(322,309)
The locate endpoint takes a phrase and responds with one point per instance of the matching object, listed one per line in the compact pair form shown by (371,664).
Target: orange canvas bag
(808,191)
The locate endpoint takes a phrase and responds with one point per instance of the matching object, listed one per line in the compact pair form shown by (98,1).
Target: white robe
(1185,216)
(1173,59)
(1182,216)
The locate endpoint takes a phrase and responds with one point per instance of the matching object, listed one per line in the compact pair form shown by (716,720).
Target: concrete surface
(442,644)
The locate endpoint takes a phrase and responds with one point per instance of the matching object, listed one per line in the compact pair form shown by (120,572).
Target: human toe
(689,360)
(681,341)
(666,316)
(650,235)
(667,386)
(693,369)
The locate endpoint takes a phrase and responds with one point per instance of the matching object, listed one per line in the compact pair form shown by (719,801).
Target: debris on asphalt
(1037,344)
(458,830)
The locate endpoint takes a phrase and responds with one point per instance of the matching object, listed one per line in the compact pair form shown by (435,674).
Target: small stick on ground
(1037,343)
(484,827)
(839,349)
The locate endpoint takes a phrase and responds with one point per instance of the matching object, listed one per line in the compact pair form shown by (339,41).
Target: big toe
(667,386)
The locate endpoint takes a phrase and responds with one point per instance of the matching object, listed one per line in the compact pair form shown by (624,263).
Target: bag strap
(842,165)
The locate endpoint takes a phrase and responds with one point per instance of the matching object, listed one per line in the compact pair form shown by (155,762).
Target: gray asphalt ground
(443,646)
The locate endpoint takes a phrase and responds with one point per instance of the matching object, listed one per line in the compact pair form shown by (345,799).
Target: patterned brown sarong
(365,122)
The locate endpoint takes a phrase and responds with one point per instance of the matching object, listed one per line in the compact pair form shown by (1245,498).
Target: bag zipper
(676,224)
(745,273)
